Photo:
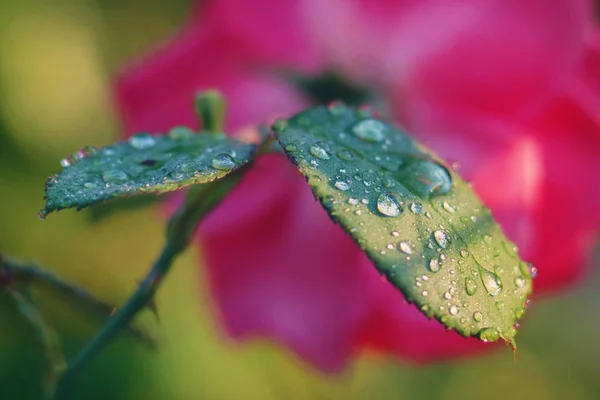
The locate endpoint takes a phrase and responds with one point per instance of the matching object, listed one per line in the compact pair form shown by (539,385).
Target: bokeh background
(56,63)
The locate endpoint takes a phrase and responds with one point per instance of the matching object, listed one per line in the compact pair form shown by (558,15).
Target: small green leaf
(143,164)
(423,226)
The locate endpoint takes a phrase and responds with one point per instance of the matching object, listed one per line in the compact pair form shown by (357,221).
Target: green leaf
(143,164)
(422,225)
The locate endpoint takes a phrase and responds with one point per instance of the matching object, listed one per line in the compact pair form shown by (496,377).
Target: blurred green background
(56,61)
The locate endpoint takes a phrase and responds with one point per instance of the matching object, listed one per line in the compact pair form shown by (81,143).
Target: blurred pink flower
(510,89)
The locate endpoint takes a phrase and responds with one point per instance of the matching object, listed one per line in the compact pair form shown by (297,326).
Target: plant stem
(200,200)
(12,273)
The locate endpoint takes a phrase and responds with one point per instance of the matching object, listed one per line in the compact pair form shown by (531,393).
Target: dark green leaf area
(143,164)
(422,225)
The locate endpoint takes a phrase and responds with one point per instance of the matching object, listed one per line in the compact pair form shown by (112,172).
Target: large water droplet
(416,207)
(142,141)
(223,162)
(343,183)
(370,130)
(448,207)
(441,238)
(114,176)
(491,282)
(434,265)
(345,155)
(321,150)
(405,247)
(453,310)
(470,286)
(388,205)
(425,178)
(489,334)
(180,133)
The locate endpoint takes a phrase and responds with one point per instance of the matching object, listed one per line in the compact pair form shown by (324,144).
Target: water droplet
(142,141)
(321,150)
(441,238)
(345,155)
(519,312)
(180,133)
(425,178)
(519,281)
(464,253)
(424,293)
(405,247)
(487,239)
(447,296)
(370,130)
(365,201)
(114,176)
(395,233)
(42,214)
(343,183)
(427,214)
(489,334)
(90,185)
(416,207)
(188,167)
(477,316)
(352,201)
(387,182)
(223,162)
(66,162)
(511,249)
(388,205)
(470,286)
(448,207)
(280,126)
(491,282)
(434,265)
(176,175)
(500,305)
(453,310)
(291,148)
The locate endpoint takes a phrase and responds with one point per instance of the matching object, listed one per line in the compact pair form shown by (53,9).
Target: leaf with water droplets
(143,164)
(422,225)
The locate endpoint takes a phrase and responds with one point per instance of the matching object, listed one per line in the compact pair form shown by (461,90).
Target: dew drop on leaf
(441,238)
(343,183)
(416,208)
(345,155)
(425,178)
(291,148)
(453,310)
(434,265)
(90,185)
(491,282)
(370,130)
(489,334)
(114,176)
(321,150)
(223,162)
(142,141)
(477,316)
(470,286)
(388,205)
(180,133)
(405,247)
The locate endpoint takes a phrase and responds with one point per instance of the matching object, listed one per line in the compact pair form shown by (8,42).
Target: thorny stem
(12,274)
